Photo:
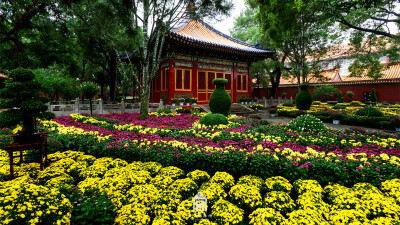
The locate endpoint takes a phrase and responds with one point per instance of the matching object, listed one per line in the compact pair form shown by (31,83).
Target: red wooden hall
(196,54)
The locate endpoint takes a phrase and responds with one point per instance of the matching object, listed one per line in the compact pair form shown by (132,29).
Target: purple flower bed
(183,121)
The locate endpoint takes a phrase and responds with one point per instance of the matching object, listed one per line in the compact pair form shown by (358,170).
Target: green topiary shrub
(337,106)
(288,104)
(306,123)
(213,119)
(369,111)
(220,101)
(10,118)
(164,111)
(372,96)
(47,115)
(303,98)
(21,96)
(339,98)
(350,94)
(356,103)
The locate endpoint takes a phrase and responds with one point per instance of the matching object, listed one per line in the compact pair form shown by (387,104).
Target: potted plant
(181,101)
(395,122)
(194,101)
(256,107)
(179,110)
(21,96)
(283,94)
(336,117)
(188,101)
(174,101)
(272,112)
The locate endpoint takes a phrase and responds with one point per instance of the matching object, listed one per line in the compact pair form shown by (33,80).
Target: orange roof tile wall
(391,72)
(389,93)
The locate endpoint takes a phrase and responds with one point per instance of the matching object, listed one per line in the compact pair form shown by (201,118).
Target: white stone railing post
(48,106)
(122,106)
(76,106)
(101,106)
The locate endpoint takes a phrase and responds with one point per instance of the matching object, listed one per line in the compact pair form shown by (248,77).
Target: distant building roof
(390,74)
(199,32)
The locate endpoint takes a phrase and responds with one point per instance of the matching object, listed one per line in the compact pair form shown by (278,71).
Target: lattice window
(183,80)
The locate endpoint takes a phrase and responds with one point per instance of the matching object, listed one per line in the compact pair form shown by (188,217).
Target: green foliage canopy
(324,92)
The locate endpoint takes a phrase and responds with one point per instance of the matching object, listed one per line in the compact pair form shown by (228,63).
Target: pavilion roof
(200,33)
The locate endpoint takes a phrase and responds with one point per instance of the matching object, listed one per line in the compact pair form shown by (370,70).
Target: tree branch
(386,34)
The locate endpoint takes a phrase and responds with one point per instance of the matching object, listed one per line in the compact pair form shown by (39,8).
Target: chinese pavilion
(195,55)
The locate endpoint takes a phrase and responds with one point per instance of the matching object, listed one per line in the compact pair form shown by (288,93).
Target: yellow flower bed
(146,192)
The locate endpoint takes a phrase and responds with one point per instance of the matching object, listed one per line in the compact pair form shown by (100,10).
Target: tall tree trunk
(144,109)
(275,81)
(113,75)
(90,105)
(144,104)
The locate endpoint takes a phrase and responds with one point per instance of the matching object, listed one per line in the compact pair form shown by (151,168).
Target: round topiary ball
(213,119)
(369,111)
(303,98)
(220,101)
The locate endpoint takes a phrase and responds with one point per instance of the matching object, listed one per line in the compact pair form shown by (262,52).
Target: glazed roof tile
(199,32)
(391,74)
(327,76)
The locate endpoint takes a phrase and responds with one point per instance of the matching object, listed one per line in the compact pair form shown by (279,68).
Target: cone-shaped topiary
(339,98)
(372,96)
(21,97)
(303,98)
(220,101)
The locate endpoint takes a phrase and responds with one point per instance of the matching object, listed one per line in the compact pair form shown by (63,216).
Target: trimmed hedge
(369,111)
(213,119)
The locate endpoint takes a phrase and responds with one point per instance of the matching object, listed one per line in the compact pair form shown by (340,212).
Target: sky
(227,22)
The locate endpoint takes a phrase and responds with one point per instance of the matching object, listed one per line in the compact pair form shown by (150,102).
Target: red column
(249,82)
(171,81)
(194,79)
(234,89)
